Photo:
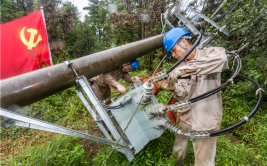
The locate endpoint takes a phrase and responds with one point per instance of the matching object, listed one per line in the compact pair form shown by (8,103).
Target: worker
(103,83)
(199,73)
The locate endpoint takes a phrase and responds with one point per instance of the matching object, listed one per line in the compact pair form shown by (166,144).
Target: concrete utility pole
(30,87)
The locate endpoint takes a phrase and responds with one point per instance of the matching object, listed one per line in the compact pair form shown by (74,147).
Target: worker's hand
(121,88)
(166,84)
(176,73)
(135,79)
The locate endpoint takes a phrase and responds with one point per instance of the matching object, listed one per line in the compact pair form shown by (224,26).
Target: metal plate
(140,130)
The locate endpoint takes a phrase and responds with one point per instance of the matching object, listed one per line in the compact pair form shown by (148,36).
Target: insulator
(157,109)
(173,128)
(147,92)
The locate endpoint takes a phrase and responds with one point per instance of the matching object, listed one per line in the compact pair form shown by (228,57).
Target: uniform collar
(198,52)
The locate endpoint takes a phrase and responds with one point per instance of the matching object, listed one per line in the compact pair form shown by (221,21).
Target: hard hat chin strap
(185,48)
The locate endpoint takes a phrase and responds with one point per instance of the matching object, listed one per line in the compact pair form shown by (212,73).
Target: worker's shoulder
(213,51)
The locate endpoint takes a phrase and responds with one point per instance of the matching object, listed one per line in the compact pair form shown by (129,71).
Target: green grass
(62,150)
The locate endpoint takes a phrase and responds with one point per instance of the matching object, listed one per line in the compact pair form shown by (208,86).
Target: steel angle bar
(24,121)
(209,21)
(187,23)
(232,8)
(216,11)
(190,26)
(97,118)
(86,104)
(81,83)
(167,21)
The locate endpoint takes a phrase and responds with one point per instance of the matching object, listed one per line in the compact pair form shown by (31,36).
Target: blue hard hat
(172,37)
(135,64)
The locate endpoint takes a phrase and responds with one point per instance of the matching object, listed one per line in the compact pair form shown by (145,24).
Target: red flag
(24,45)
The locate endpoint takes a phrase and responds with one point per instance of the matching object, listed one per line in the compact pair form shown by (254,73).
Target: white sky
(80,4)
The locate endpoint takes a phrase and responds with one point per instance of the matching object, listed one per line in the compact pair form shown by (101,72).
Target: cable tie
(236,56)
(257,91)
(231,81)
(246,118)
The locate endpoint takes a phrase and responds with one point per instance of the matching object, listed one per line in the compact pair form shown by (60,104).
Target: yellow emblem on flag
(30,43)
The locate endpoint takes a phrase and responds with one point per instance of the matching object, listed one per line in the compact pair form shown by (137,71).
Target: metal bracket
(70,64)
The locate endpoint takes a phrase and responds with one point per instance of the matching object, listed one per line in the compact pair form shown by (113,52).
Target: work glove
(121,88)
(176,73)
(166,84)
(135,79)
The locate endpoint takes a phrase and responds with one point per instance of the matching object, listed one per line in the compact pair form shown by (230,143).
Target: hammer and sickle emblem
(30,43)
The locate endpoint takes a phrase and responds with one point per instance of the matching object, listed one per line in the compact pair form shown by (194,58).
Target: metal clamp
(70,64)
(257,91)
(198,135)
(246,118)
(231,81)
(160,75)
(179,105)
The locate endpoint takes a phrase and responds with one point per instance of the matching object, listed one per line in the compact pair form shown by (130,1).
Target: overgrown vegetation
(70,38)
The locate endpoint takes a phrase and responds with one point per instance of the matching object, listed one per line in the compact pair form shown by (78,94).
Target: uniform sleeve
(107,77)
(127,77)
(181,88)
(214,60)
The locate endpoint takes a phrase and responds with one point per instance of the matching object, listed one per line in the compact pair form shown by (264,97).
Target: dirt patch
(91,147)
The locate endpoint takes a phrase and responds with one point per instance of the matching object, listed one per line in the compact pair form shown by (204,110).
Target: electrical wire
(111,107)
(123,132)
(159,65)
(212,92)
(249,116)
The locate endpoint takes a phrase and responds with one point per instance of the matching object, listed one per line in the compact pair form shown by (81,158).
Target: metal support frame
(24,121)
(83,86)
(222,29)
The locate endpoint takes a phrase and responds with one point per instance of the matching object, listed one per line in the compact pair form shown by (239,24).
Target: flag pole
(46,35)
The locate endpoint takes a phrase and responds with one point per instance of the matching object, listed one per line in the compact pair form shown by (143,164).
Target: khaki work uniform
(103,83)
(203,115)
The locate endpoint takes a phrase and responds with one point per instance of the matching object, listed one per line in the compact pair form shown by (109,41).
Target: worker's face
(126,68)
(177,51)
